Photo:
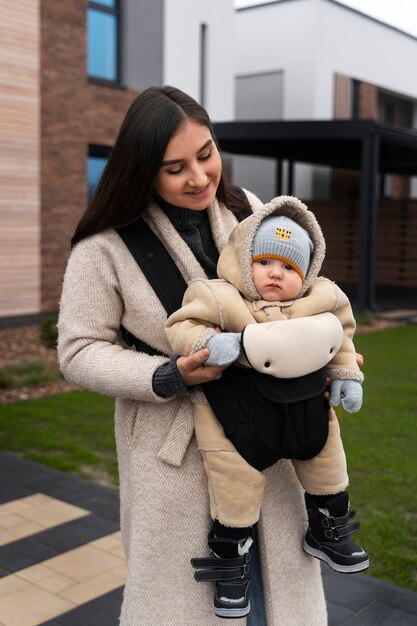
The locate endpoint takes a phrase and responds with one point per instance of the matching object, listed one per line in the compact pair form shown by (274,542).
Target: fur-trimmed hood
(235,262)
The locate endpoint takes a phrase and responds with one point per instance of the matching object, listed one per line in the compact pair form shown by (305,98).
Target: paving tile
(25,473)
(66,487)
(24,529)
(106,526)
(337,614)
(383,615)
(33,514)
(51,512)
(20,554)
(35,573)
(120,551)
(121,571)
(353,592)
(15,506)
(108,543)
(103,611)
(9,490)
(71,535)
(30,606)
(118,593)
(90,589)
(8,521)
(12,583)
(38,499)
(105,505)
(15,563)
(401,598)
(83,557)
(84,563)
(56,583)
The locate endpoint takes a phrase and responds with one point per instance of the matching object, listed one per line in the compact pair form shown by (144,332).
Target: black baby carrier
(266,418)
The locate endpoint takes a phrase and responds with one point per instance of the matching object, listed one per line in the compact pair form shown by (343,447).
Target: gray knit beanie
(279,237)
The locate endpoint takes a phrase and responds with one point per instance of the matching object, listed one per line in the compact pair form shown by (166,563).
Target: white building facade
(304,59)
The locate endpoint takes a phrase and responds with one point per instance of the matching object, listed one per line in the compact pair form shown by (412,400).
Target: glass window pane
(95,167)
(102,45)
(106,3)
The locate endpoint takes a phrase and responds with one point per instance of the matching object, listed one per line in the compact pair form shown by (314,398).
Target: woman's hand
(194,372)
(359,359)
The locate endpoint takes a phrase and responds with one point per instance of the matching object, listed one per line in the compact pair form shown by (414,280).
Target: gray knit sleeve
(167,381)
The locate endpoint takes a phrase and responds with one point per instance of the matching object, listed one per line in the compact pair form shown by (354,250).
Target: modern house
(69,70)
(321,61)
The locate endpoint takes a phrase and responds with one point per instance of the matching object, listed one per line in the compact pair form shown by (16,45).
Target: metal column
(278,179)
(368,222)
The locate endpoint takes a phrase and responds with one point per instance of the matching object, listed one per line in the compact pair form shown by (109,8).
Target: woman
(165,167)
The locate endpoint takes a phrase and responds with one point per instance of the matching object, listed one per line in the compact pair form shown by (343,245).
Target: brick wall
(74,114)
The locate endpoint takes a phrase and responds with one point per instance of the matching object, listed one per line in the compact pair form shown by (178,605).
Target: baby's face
(275,280)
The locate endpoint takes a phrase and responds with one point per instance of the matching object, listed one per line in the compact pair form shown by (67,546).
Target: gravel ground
(23,344)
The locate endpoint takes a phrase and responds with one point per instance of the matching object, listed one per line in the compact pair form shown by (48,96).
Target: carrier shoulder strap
(159,268)
(155,262)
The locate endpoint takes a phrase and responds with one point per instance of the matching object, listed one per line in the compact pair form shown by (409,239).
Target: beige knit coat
(163,491)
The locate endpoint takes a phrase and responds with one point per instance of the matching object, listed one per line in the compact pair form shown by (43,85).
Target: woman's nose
(198,177)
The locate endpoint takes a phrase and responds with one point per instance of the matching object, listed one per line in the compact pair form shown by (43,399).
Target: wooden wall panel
(396,241)
(19,158)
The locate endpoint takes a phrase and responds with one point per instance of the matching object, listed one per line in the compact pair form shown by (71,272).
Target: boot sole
(342,569)
(232,613)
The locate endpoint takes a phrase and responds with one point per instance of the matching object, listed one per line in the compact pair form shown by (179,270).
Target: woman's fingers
(194,372)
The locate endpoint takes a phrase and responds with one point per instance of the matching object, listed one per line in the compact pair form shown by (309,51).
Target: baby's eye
(264,262)
(289,267)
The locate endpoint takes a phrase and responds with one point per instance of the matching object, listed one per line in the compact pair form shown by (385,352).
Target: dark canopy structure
(368,146)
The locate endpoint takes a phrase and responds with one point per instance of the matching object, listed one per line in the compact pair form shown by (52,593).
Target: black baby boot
(229,569)
(327,537)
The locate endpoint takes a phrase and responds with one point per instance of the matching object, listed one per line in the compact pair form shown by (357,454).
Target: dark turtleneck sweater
(194,228)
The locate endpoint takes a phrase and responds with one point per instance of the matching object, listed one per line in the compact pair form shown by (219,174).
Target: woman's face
(191,168)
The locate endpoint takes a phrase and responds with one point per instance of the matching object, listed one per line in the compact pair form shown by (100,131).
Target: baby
(270,404)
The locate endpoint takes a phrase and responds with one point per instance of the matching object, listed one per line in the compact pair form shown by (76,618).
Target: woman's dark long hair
(126,185)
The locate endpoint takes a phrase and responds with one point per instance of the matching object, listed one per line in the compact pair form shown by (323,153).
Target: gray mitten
(347,391)
(224,349)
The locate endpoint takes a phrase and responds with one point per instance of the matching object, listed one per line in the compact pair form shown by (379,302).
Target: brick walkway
(62,562)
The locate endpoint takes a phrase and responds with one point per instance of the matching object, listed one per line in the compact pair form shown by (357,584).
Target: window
(96,162)
(103,40)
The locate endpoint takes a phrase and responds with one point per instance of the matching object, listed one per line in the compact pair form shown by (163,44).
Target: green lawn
(74,432)
(381,444)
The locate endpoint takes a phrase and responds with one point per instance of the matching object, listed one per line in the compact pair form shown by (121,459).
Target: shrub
(49,332)
(27,375)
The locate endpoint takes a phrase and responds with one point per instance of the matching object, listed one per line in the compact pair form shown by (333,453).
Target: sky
(399,13)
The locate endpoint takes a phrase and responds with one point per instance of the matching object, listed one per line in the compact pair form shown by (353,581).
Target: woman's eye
(176,171)
(205,157)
